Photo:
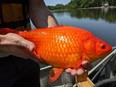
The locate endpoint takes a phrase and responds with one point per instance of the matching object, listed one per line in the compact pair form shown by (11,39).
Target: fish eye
(103,46)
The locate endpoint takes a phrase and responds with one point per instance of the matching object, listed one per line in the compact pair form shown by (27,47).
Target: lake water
(101,22)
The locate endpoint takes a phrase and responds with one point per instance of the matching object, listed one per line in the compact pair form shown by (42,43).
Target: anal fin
(7,30)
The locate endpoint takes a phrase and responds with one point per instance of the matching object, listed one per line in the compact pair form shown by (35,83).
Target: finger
(80,71)
(27,44)
(37,58)
(68,70)
(86,65)
(20,53)
(30,46)
(73,72)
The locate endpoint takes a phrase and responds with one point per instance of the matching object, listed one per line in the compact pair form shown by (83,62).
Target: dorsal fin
(7,30)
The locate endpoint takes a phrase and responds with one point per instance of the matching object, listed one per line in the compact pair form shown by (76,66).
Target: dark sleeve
(40,14)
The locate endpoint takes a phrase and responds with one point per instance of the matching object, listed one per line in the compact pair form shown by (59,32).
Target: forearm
(40,14)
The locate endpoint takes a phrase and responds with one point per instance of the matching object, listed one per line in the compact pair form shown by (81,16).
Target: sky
(54,2)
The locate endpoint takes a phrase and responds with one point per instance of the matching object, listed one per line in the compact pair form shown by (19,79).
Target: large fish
(64,46)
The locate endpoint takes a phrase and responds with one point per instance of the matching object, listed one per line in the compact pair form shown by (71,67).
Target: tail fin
(7,30)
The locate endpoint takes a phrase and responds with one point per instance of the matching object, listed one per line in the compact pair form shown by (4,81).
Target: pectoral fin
(55,73)
(78,64)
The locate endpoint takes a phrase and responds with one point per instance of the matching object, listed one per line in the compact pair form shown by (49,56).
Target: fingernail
(31,47)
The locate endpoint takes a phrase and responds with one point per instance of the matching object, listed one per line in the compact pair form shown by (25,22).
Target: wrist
(1,39)
(2,53)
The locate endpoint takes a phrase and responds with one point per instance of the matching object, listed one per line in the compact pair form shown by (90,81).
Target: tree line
(74,4)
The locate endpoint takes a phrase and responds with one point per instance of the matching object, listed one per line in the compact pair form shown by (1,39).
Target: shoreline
(99,7)
(102,7)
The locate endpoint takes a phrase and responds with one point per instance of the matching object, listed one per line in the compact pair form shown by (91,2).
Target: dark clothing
(17,72)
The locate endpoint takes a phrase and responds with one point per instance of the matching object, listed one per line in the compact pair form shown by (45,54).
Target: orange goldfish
(64,46)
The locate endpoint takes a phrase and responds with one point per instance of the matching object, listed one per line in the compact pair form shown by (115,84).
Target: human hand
(13,44)
(85,66)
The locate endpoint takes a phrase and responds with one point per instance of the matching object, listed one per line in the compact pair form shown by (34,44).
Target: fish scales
(60,43)
(59,46)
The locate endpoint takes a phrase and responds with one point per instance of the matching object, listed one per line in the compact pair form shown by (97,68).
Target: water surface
(101,22)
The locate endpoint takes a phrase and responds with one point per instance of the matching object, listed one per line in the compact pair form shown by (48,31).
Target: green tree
(74,4)
(59,6)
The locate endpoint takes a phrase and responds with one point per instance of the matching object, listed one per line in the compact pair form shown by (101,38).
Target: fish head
(95,48)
